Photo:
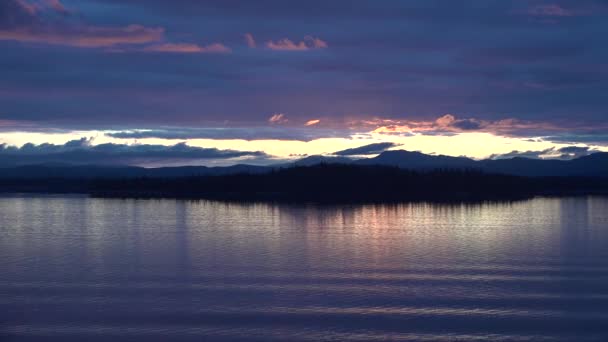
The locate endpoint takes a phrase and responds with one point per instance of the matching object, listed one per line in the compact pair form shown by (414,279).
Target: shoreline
(286,199)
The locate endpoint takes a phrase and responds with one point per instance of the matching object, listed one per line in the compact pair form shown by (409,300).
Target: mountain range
(594,165)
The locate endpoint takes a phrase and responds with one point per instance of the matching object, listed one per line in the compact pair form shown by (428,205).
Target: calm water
(80,269)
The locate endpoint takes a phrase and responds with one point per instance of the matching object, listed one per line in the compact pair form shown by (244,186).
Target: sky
(230,81)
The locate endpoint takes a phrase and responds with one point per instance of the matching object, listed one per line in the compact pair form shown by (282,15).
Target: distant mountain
(593,165)
(418,161)
(316,160)
(93,171)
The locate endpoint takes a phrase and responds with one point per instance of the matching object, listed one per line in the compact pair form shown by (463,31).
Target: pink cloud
(37,27)
(249,40)
(446,120)
(316,42)
(57,6)
(286,44)
(278,118)
(27,7)
(188,48)
(85,36)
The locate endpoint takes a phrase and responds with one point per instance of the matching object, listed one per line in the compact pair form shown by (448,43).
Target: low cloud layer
(564,153)
(367,149)
(241,133)
(82,152)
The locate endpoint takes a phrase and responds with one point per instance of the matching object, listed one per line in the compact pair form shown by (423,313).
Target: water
(81,269)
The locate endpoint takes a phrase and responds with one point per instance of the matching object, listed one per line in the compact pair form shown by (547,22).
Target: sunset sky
(159,82)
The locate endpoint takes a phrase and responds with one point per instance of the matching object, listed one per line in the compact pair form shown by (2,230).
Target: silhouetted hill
(338,182)
(315,160)
(322,182)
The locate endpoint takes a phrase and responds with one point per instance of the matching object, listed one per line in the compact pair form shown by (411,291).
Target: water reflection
(82,269)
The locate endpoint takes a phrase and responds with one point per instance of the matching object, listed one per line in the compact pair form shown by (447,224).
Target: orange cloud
(446,120)
(286,44)
(316,42)
(188,48)
(312,122)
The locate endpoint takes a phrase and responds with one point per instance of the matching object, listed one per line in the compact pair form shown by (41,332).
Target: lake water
(81,269)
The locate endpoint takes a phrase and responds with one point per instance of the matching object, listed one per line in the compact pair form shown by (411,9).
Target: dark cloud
(521,154)
(467,124)
(571,152)
(596,138)
(83,152)
(367,149)
(568,152)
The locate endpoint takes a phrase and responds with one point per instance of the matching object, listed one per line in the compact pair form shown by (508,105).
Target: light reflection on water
(76,269)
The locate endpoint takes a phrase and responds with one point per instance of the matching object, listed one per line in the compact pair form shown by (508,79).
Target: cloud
(449,124)
(188,48)
(25,21)
(550,10)
(467,124)
(278,118)
(564,153)
(27,7)
(57,6)
(86,36)
(308,43)
(312,122)
(548,82)
(34,7)
(249,40)
(596,138)
(84,152)
(367,149)
(230,133)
